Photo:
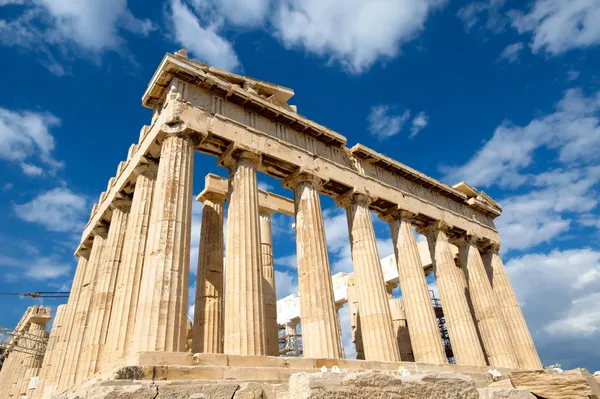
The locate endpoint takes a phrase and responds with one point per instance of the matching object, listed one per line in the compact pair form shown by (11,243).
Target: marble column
(75,345)
(320,332)
(134,255)
(268,272)
(51,355)
(355,330)
(514,321)
(378,337)
(495,338)
(422,324)
(245,328)
(161,315)
(63,341)
(207,336)
(33,361)
(338,307)
(102,296)
(459,321)
(401,329)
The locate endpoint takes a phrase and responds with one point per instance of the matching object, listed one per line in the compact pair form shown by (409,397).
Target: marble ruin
(127,312)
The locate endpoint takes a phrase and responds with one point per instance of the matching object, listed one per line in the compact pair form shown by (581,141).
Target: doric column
(459,321)
(161,320)
(320,333)
(32,360)
(245,328)
(379,340)
(496,341)
(355,330)
(422,324)
(51,355)
(401,330)
(134,255)
(514,321)
(102,296)
(268,272)
(63,341)
(338,325)
(75,345)
(207,336)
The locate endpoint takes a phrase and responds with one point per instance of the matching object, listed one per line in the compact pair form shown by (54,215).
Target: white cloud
(572,75)
(560,307)
(202,40)
(63,29)
(58,210)
(511,52)
(195,236)
(265,186)
(573,131)
(558,26)
(285,284)
(384,122)
(46,268)
(25,136)
(419,123)
(471,14)
(244,13)
(354,33)
(289,261)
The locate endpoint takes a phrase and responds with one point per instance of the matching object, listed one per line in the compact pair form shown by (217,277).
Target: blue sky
(502,94)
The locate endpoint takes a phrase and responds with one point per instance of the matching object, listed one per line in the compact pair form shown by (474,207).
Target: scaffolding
(439,314)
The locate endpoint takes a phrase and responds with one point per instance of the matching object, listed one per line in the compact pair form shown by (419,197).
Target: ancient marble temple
(127,312)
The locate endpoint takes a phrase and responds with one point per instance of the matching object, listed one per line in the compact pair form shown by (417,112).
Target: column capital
(396,213)
(468,239)
(300,176)
(493,247)
(351,197)
(432,227)
(101,230)
(234,154)
(266,212)
(175,127)
(212,196)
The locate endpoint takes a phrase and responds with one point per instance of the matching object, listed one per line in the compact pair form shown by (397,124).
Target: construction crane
(39,294)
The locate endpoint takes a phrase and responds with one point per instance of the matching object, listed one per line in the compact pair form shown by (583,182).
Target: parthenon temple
(126,317)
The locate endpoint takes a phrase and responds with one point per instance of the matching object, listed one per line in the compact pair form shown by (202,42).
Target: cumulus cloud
(58,210)
(285,284)
(354,33)
(25,138)
(61,30)
(202,39)
(511,52)
(555,26)
(558,26)
(560,306)
(572,131)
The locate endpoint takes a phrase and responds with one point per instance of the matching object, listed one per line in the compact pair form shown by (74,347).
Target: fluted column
(514,321)
(320,332)
(33,361)
(245,327)
(355,330)
(401,330)
(459,321)
(51,355)
(63,344)
(268,272)
(207,336)
(379,340)
(496,341)
(75,345)
(122,321)
(102,297)
(422,324)
(161,320)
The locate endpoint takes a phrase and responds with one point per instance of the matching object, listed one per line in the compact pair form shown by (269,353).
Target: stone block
(382,385)
(551,385)
(504,393)
(210,359)
(165,359)
(212,373)
(255,361)
(249,390)
(205,391)
(299,363)
(122,392)
(505,383)
(589,378)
